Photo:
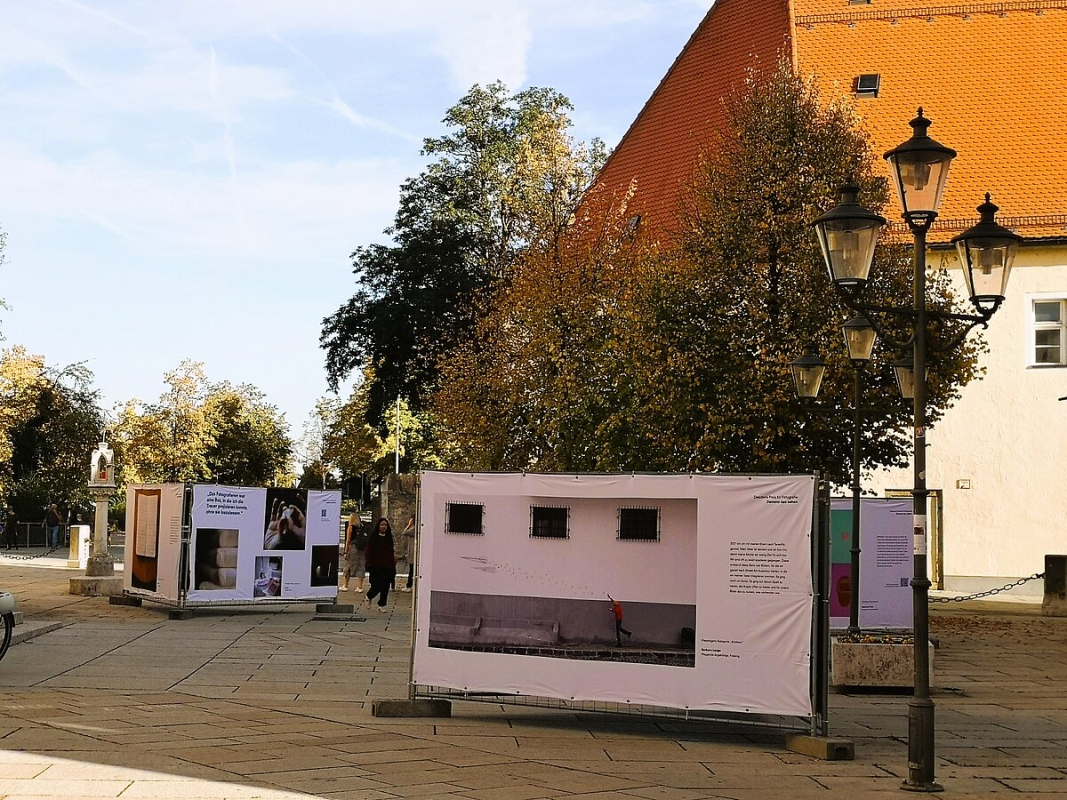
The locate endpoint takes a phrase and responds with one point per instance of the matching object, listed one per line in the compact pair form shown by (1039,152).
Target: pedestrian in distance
(11,529)
(51,524)
(407,545)
(355,552)
(381,563)
(616,610)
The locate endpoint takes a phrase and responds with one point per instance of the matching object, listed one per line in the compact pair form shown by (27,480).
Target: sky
(187,180)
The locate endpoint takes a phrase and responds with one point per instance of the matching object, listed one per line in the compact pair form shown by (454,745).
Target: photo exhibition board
(886,564)
(712,575)
(251,544)
(153,539)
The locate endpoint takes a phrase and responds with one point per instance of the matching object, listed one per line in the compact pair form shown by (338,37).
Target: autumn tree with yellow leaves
(605,350)
(49,419)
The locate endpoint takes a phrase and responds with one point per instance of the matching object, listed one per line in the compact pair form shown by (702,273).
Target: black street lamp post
(860,336)
(807,370)
(847,233)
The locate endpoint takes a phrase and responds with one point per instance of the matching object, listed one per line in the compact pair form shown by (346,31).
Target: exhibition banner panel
(253,543)
(153,539)
(886,566)
(681,591)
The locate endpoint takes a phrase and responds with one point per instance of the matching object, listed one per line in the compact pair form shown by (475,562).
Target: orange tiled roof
(992,76)
(662,144)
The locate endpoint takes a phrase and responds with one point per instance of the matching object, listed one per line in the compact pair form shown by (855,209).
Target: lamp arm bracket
(869,312)
(973,319)
(816,410)
(957,340)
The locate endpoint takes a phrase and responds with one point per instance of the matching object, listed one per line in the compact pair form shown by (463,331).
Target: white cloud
(358,120)
(248,146)
(274,211)
(479,40)
(488,45)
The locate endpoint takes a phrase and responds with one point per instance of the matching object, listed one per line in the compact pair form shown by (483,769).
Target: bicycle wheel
(9,626)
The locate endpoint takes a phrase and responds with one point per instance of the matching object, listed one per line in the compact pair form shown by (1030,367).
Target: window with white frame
(1050,333)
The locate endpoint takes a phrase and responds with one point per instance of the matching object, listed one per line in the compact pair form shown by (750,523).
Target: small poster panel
(252,543)
(886,564)
(153,540)
(682,591)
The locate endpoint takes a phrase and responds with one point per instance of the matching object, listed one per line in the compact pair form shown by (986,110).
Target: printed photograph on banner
(268,581)
(567,580)
(146,510)
(285,523)
(324,558)
(215,558)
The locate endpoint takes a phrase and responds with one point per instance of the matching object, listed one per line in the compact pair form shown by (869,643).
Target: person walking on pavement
(355,552)
(408,547)
(11,529)
(616,610)
(381,563)
(51,524)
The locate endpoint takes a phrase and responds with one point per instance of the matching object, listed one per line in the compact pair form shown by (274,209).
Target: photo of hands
(286,521)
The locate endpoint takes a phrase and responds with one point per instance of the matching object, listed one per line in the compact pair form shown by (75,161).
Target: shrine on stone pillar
(102,487)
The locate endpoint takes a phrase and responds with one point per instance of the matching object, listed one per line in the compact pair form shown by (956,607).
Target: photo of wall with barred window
(687,591)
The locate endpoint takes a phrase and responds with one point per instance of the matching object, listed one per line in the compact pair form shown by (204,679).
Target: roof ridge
(959,9)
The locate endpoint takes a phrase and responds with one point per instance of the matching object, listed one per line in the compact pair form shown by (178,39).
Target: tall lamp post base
(921,747)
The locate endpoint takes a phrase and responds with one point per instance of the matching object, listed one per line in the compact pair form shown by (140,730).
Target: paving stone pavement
(274,704)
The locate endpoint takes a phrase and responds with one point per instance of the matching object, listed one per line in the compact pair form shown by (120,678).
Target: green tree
(505,175)
(758,292)
(604,352)
(199,431)
(49,422)
(537,381)
(312,449)
(352,445)
(251,445)
(167,440)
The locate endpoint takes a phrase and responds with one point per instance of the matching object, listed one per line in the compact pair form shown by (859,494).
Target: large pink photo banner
(682,591)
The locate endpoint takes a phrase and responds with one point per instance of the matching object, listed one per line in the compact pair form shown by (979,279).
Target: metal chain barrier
(988,593)
(30,558)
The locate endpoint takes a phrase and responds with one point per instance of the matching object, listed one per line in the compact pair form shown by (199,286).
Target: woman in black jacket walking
(381,562)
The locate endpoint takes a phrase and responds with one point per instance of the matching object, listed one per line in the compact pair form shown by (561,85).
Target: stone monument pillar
(101,489)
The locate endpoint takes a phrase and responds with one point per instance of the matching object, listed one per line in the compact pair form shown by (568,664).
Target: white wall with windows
(1000,454)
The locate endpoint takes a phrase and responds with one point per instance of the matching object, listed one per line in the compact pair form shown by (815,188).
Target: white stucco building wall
(1000,454)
